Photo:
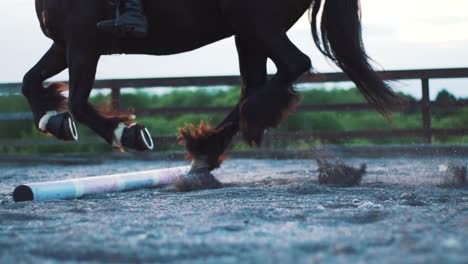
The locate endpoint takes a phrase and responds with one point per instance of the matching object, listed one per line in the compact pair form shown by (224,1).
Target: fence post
(115,97)
(426,111)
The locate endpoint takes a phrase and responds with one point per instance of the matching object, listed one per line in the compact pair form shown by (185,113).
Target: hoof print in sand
(338,173)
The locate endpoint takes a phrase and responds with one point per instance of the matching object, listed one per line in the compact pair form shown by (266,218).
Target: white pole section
(75,188)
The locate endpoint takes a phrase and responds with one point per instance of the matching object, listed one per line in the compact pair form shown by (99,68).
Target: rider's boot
(131,23)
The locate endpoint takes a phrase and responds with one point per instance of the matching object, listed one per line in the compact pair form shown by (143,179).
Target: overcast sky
(399,34)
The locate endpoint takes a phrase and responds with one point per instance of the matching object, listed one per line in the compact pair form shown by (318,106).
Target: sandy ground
(269,212)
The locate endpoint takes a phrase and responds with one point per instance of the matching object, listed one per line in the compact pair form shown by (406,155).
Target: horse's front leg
(116,129)
(48,105)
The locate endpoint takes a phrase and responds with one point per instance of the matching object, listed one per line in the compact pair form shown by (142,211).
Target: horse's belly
(180,25)
(171,44)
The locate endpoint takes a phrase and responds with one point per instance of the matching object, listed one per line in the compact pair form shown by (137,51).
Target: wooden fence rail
(424,75)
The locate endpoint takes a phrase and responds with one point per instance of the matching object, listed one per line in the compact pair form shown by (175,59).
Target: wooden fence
(426,131)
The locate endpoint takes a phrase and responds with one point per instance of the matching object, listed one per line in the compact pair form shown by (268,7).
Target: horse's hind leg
(208,145)
(82,66)
(253,71)
(270,105)
(48,105)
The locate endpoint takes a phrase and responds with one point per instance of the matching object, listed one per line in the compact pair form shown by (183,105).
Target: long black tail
(340,40)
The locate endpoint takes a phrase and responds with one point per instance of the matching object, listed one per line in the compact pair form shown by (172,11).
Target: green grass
(167,125)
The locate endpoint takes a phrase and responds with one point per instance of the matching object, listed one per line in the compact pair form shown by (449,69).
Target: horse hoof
(137,137)
(62,127)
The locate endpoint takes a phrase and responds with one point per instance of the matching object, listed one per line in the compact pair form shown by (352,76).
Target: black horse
(176,26)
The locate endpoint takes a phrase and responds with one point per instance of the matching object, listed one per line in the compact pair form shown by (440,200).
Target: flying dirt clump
(453,175)
(338,173)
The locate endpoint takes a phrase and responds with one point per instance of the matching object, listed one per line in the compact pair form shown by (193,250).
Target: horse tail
(340,39)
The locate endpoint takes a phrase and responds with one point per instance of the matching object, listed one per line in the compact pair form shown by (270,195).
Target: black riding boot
(131,23)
